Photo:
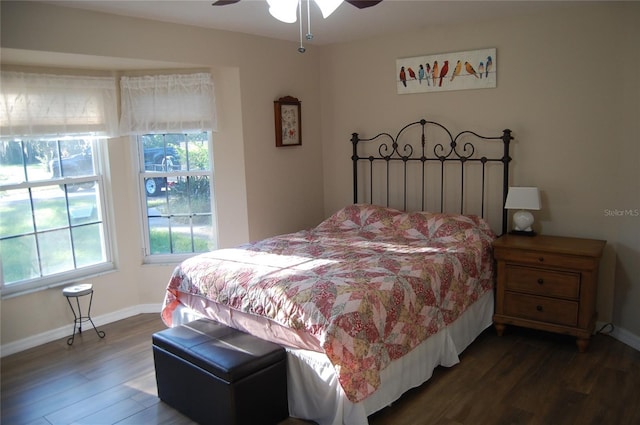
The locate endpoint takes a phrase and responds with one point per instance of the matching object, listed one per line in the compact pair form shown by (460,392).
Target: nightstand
(547,283)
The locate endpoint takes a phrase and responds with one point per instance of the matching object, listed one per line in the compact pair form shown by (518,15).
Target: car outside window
(176,176)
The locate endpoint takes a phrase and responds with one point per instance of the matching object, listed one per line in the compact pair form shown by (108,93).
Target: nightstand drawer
(543,281)
(543,309)
(542,259)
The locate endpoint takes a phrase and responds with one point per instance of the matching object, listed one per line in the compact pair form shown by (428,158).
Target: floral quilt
(370,283)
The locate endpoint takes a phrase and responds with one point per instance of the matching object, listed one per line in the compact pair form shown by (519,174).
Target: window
(52,224)
(52,217)
(175,178)
(171,117)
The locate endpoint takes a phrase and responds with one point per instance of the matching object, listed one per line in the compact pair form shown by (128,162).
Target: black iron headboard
(413,160)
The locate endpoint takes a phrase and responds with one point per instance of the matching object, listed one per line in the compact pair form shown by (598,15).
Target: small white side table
(77,291)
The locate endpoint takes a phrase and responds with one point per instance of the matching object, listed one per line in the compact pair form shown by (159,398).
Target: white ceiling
(347,23)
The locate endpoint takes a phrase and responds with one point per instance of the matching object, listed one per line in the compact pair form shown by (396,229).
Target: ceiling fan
(287,11)
(360,4)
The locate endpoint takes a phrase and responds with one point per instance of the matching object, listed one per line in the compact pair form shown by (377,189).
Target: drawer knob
(539,307)
(541,259)
(540,281)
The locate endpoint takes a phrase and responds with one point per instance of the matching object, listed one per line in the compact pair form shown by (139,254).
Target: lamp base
(522,233)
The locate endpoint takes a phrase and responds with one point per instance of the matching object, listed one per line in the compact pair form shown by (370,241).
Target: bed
(370,301)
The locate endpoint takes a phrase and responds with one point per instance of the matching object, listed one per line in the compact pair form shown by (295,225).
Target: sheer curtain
(167,104)
(42,105)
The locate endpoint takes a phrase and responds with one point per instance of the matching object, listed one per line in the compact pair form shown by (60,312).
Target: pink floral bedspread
(370,283)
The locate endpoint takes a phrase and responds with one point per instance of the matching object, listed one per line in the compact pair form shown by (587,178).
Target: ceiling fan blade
(363,4)
(360,4)
(224,2)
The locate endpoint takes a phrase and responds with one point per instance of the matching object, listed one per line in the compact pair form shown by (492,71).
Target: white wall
(567,86)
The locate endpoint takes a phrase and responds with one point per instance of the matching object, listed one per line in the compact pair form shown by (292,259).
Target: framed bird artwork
(288,120)
(474,69)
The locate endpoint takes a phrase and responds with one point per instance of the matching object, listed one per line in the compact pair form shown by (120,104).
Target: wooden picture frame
(288,120)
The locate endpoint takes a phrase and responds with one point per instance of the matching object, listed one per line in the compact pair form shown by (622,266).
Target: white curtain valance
(167,104)
(42,105)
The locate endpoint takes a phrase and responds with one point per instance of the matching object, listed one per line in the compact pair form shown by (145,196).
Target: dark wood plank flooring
(524,377)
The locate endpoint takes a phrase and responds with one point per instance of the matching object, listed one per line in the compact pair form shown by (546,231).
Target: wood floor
(523,377)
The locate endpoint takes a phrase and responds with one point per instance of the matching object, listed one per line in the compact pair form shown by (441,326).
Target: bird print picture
(474,69)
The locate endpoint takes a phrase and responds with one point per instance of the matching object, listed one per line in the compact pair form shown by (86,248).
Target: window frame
(103,197)
(142,175)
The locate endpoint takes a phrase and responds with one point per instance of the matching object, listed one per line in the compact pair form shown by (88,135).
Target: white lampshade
(523,199)
(284,10)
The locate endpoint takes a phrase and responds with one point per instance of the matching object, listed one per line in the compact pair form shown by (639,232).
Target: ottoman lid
(225,352)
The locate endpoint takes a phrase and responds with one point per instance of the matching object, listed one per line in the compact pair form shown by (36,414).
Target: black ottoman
(218,375)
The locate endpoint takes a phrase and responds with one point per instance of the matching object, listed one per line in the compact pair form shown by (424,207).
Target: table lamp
(523,199)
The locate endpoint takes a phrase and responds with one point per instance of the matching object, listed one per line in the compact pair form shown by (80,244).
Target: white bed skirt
(315,393)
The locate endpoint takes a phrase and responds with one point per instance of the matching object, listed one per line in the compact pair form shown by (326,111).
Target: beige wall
(261,190)
(566,87)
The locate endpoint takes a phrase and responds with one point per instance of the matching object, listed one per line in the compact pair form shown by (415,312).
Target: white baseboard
(64,331)
(627,337)
(620,334)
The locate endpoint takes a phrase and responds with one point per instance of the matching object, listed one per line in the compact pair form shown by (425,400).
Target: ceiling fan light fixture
(327,7)
(284,10)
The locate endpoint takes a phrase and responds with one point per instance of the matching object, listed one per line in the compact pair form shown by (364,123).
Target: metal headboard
(463,153)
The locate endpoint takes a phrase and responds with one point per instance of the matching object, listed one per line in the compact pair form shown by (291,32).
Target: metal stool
(76,292)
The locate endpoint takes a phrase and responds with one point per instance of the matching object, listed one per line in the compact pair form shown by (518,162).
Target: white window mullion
(48,217)
(177,218)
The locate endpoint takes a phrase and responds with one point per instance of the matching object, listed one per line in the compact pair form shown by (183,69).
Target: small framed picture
(288,121)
